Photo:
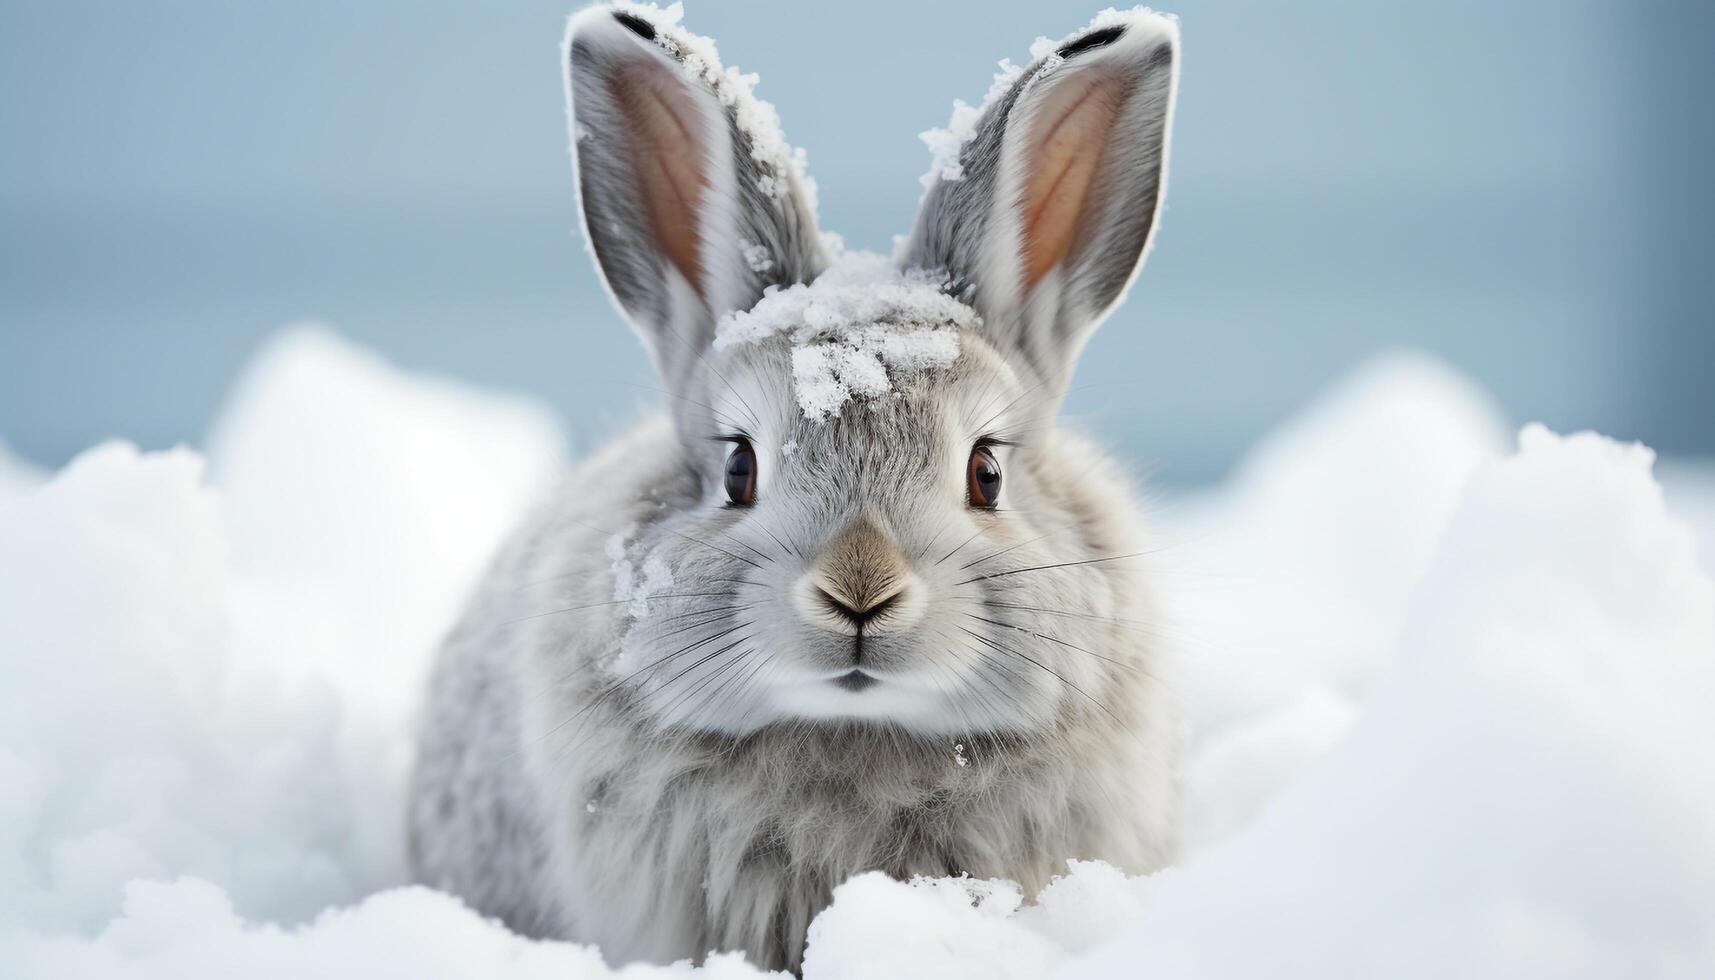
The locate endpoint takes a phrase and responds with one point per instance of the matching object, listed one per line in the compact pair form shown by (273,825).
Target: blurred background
(1519,188)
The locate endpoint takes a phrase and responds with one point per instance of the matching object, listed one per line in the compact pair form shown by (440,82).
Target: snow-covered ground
(1450,693)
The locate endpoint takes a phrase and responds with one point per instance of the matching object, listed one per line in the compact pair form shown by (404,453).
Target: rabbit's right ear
(690,198)
(1045,216)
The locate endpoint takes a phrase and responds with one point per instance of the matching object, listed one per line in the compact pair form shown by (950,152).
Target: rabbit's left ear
(690,198)
(1044,219)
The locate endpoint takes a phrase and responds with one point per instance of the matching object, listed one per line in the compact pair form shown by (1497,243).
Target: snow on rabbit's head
(870,438)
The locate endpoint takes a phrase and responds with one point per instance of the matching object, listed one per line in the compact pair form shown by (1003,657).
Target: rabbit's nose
(861,582)
(890,608)
(858,611)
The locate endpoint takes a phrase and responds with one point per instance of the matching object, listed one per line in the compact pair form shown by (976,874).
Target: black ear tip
(635,25)
(1091,41)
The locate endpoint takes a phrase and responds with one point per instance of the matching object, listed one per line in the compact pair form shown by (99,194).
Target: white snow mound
(1528,792)
(217,678)
(17,477)
(1322,535)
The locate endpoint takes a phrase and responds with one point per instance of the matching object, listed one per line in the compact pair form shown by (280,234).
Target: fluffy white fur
(644,734)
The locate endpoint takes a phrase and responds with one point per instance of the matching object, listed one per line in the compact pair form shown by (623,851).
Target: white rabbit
(854,602)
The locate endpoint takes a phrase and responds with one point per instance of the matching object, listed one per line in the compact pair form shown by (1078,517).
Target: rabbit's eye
(982,479)
(741,474)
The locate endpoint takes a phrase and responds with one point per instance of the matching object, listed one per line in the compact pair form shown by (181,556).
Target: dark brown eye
(741,474)
(982,478)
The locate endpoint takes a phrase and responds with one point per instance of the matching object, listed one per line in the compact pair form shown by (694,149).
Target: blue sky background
(1520,188)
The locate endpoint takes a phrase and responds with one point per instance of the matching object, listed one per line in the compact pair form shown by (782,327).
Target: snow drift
(1449,705)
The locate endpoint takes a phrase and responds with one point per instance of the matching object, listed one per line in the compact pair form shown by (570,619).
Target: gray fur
(681,774)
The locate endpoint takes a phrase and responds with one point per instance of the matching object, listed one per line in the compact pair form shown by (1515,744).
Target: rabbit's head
(880,522)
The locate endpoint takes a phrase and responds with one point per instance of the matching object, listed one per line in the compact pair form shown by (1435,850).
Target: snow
(188,928)
(1690,488)
(1448,698)
(756,256)
(359,501)
(633,583)
(863,329)
(634,587)
(1322,534)
(781,163)
(17,477)
(213,664)
(946,143)
(1528,793)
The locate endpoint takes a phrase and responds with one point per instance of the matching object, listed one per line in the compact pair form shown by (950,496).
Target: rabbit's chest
(737,860)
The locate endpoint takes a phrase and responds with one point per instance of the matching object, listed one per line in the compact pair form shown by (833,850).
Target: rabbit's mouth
(855,681)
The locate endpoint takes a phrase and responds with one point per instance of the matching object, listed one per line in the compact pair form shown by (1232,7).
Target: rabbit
(852,602)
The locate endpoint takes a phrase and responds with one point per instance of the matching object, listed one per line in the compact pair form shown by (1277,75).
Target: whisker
(766,663)
(578,738)
(704,659)
(1052,424)
(719,416)
(627,679)
(1008,406)
(931,544)
(992,556)
(667,711)
(946,688)
(768,531)
(990,661)
(739,581)
(1142,625)
(767,399)
(1087,696)
(699,612)
(735,539)
(697,352)
(714,618)
(756,423)
(1065,643)
(741,679)
(954,688)
(1044,568)
(681,534)
(683,671)
(960,548)
(599,605)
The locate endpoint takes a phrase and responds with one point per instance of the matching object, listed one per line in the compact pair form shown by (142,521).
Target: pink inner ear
(1071,130)
(666,141)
